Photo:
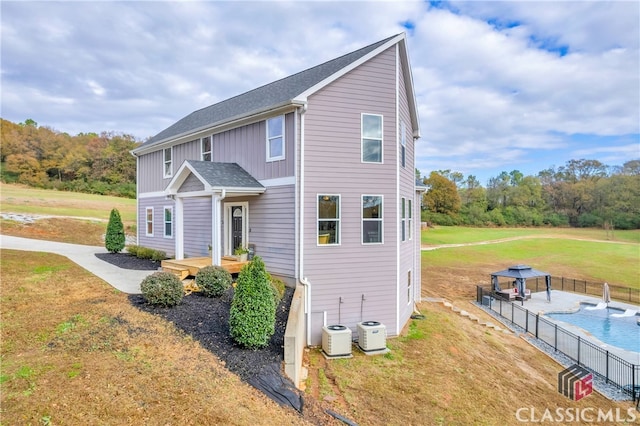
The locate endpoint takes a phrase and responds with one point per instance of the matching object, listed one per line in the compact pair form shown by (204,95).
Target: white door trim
(228,243)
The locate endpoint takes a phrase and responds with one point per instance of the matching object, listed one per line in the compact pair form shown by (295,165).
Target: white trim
(381,220)
(399,224)
(228,238)
(179,229)
(337,219)
(146,221)
(203,152)
(166,175)
(138,201)
(268,139)
(283,181)
(155,194)
(164,222)
(362,138)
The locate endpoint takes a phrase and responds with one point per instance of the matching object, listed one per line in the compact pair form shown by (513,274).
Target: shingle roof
(224,175)
(270,95)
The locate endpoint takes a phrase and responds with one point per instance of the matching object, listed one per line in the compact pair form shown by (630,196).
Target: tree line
(582,193)
(88,162)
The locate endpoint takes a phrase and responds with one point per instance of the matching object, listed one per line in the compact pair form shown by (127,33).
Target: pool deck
(562,301)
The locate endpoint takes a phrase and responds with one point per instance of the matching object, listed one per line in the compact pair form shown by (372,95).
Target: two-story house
(316,171)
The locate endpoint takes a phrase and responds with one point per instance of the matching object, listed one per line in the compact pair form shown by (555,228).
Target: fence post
(607,367)
(578,350)
(555,339)
(526,322)
(537,324)
(512,308)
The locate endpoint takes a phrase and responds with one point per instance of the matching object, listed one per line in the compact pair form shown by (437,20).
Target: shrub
(145,253)
(213,281)
(162,289)
(133,249)
(158,255)
(252,315)
(277,287)
(114,239)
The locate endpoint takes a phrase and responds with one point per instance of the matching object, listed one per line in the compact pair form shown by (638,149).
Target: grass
(24,199)
(74,351)
(461,235)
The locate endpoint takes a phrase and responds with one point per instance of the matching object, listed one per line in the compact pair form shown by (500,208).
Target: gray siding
(245,145)
(364,277)
(197,226)
(192,183)
(158,241)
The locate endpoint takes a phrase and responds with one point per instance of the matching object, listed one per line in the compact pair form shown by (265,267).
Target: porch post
(179,220)
(216,240)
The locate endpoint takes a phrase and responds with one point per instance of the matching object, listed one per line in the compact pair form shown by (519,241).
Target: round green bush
(162,289)
(252,316)
(213,281)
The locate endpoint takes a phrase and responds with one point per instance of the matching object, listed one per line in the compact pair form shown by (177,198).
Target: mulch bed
(128,261)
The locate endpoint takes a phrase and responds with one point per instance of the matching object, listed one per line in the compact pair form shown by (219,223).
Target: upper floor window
(205,148)
(403,219)
(328,219)
(168,222)
(371,138)
(149,221)
(167,155)
(371,219)
(403,144)
(275,138)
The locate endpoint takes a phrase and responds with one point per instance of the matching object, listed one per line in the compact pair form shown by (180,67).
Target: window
(149,221)
(168,222)
(371,138)
(205,144)
(328,219)
(275,138)
(168,163)
(371,219)
(409,217)
(409,287)
(403,219)
(403,144)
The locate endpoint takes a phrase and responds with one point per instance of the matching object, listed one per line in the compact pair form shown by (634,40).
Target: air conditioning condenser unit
(336,340)
(372,336)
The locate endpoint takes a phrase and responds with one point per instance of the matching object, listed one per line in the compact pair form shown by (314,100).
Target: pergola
(520,273)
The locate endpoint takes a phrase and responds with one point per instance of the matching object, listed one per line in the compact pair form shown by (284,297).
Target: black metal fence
(615,370)
(623,294)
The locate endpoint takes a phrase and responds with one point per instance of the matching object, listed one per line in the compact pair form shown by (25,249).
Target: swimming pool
(622,332)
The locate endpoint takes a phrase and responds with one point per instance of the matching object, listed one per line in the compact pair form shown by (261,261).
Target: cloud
(500,85)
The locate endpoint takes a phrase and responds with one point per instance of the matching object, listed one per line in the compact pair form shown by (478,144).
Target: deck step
(181,272)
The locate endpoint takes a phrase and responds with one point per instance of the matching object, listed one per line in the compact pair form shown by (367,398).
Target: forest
(88,162)
(582,193)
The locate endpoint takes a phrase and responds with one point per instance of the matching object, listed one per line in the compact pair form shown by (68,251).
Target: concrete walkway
(125,280)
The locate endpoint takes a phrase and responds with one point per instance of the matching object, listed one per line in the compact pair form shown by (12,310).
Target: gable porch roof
(288,92)
(216,178)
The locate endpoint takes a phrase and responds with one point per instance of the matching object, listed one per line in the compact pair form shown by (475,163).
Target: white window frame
(379,219)
(203,153)
(147,222)
(403,234)
(409,287)
(167,172)
(337,220)
(269,139)
(410,218)
(362,138)
(403,144)
(164,221)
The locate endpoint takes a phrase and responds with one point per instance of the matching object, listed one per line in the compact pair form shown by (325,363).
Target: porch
(184,268)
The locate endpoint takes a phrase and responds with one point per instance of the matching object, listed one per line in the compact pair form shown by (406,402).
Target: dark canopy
(520,273)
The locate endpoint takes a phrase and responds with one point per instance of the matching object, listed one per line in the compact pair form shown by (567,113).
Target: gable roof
(216,177)
(520,271)
(292,90)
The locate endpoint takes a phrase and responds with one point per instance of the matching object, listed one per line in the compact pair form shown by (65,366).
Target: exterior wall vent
(372,336)
(336,340)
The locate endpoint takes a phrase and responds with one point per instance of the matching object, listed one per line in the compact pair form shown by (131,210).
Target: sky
(500,86)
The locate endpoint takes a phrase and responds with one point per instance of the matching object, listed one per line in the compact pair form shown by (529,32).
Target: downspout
(303,280)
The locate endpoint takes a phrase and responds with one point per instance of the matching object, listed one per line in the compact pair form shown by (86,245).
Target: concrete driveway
(125,280)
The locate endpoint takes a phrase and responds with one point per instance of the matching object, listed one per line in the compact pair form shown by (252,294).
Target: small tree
(252,316)
(114,240)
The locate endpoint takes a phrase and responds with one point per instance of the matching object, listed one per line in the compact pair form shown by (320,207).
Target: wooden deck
(189,267)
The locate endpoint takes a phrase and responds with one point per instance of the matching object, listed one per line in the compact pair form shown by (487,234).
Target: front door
(236,226)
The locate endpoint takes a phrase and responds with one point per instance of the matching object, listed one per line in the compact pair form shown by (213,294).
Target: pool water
(621,332)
